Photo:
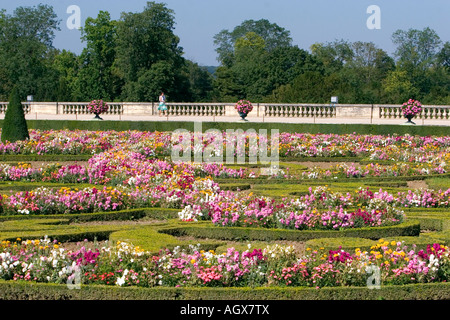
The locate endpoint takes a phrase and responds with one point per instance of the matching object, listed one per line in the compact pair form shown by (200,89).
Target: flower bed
(378,147)
(126,265)
(135,182)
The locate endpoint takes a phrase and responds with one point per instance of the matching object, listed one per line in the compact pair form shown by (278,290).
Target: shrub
(14,126)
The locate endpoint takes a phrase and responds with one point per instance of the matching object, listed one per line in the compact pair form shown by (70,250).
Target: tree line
(137,56)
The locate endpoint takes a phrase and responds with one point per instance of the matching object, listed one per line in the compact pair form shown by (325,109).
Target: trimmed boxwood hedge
(409,228)
(130,214)
(350,244)
(336,128)
(149,239)
(43,291)
(59,226)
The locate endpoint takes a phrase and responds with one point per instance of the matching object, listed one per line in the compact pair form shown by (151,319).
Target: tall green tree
(399,87)
(149,58)
(443,57)
(416,48)
(256,57)
(200,82)
(416,53)
(333,55)
(97,79)
(66,64)
(273,36)
(26,51)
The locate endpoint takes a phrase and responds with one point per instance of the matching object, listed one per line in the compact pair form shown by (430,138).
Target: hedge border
(157,213)
(42,291)
(365,244)
(409,228)
(341,128)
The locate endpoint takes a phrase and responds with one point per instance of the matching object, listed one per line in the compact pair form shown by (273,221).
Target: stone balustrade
(261,110)
(196,109)
(25,105)
(428,112)
(299,110)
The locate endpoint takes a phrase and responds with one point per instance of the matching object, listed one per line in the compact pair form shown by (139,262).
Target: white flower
(120,281)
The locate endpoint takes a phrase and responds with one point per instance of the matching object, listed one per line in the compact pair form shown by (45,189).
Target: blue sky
(197,21)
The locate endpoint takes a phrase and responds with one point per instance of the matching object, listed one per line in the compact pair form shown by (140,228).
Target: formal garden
(109,214)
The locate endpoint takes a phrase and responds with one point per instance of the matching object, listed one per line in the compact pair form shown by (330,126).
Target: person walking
(162,105)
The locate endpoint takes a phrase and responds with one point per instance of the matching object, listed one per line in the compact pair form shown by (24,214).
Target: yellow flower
(393,243)
(192,261)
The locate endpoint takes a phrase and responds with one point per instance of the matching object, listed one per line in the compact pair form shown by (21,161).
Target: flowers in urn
(243,107)
(97,107)
(411,108)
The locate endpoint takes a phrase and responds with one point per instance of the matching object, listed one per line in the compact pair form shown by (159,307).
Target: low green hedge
(336,128)
(63,235)
(33,291)
(235,186)
(16,186)
(359,181)
(409,228)
(435,219)
(149,239)
(130,214)
(350,244)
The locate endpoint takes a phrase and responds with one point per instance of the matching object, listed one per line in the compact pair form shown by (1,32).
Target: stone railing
(428,112)
(261,110)
(196,109)
(82,108)
(25,105)
(299,110)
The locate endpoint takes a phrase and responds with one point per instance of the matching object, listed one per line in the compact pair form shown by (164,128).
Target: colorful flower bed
(126,265)
(391,147)
(127,174)
(135,182)
(129,180)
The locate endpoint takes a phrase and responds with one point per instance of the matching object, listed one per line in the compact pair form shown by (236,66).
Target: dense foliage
(257,61)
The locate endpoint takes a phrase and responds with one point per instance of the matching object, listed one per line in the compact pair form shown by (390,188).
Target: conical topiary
(14,125)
